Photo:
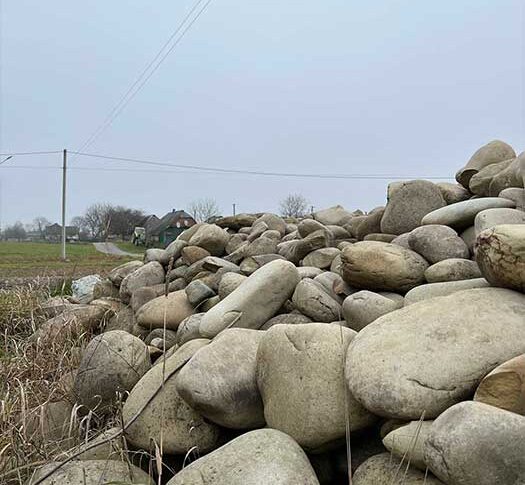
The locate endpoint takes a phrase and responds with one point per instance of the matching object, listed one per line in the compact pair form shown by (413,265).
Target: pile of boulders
(261,350)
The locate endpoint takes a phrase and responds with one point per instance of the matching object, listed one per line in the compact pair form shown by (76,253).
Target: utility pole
(234,209)
(64,167)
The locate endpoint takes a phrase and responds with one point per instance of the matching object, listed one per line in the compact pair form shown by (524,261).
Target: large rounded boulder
(169,310)
(154,408)
(419,359)
(500,254)
(408,203)
(300,376)
(436,243)
(112,363)
(476,443)
(378,266)
(264,456)
(255,301)
(221,383)
(149,274)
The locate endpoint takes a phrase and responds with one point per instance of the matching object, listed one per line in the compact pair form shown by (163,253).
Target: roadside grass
(29,259)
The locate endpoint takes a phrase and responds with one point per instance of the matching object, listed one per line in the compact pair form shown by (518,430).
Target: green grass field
(130,247)
(27,259)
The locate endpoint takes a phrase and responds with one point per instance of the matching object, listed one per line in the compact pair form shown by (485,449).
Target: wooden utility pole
(64,167)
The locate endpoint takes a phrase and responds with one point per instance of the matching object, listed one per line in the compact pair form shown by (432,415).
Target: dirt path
(110,248)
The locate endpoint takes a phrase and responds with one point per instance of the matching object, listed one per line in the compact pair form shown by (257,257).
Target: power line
(21,154)
(132,92)
(251,172)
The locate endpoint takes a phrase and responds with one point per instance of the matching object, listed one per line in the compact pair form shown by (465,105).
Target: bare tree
(293,206)
(203,209)
(103,220)
(39,224)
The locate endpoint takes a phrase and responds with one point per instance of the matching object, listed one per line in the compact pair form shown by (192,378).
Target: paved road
(110,248)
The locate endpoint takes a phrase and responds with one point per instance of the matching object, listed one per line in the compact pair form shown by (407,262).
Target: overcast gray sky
(401,87)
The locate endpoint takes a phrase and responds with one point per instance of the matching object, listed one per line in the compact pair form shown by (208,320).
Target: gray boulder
(428,369)
(336,215)
(493,152)
(147,275)
(445,288)
(408,442)
(453,269)
(90,472)
(189,328)
(373,265)
(255,301)
(321,258)
(286,319)
(221,384)
(453,193)
(476,443)
(462,214)
(197,292)
(161,410)
(500,254)
(210,237)
(112,363)
(363,307)
(311,299)
(264,456)
(408,203)
(515,194)
(169,310)
(436,243)
(490,218)
(300,376)
(117,274)
(230,282)
(383,469)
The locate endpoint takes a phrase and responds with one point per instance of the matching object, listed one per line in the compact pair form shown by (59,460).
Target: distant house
(53,233)
(169,227)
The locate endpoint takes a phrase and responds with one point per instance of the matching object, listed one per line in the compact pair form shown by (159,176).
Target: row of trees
(100,221)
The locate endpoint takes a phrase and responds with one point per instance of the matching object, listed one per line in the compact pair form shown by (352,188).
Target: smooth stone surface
(493,152)
(288,319)
(147,275)
(311,299)
(474,443)
(221,384)
(189,328)
(445,288)
(490,218)
(264,456)
(321,258)
(453,193)
(254,302)
(383,469)
(210,237)
(372,265)
(462,214)
(363,307)
(408,203)
(230,282)
(112,363)
(182,427)
(500,254)
(419,358)
(436,243)
(300,376)
(117,274)
(504,387)
(170,310)
(91,472)
(515,194)
(408,442)
(453,269)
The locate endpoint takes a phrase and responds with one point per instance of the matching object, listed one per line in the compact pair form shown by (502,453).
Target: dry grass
(31,378)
